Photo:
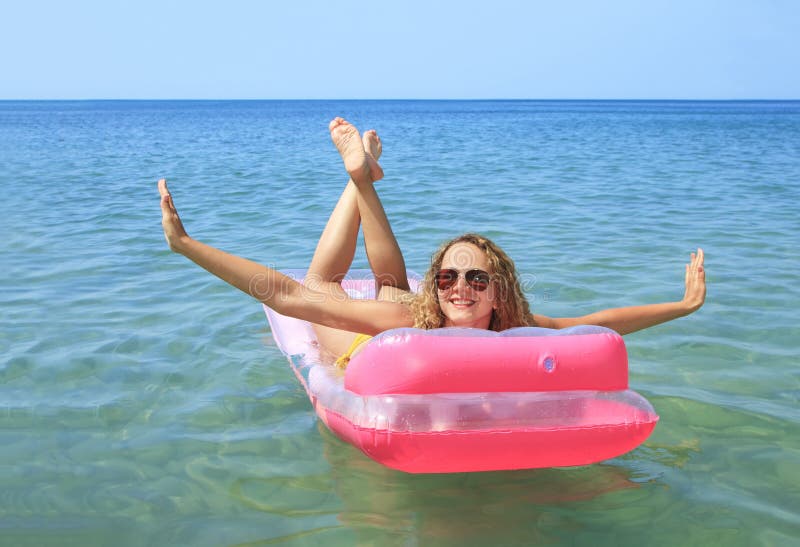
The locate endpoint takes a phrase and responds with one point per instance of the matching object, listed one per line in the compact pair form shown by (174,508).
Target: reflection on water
(383,506)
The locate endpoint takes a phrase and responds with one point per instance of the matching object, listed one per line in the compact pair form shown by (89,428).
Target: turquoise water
(143,402)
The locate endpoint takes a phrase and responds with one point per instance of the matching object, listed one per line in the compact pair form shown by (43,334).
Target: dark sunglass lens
(446,279)
(478,279)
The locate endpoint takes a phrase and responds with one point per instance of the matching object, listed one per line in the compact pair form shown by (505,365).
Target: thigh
(332,342)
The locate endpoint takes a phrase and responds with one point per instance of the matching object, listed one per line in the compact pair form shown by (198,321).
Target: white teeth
(462,302)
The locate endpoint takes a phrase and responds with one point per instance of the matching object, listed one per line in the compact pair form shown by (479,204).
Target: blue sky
(246,49)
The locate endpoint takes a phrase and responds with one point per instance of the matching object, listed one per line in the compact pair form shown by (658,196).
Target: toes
(346,137)
(340,126)
(336,123)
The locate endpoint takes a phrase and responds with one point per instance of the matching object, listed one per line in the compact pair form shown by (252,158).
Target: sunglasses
(477,279)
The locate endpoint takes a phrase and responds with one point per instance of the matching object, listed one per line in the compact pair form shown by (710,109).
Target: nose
(461,286)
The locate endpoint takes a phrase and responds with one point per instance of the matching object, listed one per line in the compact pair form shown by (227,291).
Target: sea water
(143,402)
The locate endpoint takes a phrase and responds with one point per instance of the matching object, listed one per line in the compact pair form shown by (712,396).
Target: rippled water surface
(143,402)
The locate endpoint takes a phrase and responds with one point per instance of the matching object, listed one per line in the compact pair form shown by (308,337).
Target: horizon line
(200,99)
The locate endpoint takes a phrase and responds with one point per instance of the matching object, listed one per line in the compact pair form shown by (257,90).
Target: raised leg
(337,244)
(360,160)
(383,252)
(359,203)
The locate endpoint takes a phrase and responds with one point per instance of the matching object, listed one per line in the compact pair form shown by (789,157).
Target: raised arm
(630,319)
(276,290)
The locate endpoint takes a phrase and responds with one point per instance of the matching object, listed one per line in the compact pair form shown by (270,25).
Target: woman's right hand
(174,232)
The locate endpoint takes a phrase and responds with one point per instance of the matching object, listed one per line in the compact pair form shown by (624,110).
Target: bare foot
(361,167)
(373,147)
(372,144)
(170,221)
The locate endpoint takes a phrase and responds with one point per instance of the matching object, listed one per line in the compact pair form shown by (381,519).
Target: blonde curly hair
(513,309)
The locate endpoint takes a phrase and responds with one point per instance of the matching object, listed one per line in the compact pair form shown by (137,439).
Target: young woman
(471,282)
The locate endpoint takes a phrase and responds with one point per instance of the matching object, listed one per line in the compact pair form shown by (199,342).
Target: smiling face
(503,304)
(461,304)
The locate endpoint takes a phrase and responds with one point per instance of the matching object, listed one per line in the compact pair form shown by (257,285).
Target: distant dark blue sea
(143,401)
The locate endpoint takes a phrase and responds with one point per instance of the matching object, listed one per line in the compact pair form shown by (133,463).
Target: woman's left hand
(695,293)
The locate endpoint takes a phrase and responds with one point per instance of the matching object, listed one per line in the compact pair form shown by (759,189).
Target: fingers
(163,192)
(166,197)
(694,269)
(696,260)
(696,264)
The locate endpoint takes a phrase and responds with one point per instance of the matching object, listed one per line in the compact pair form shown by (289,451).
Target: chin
(462,320)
